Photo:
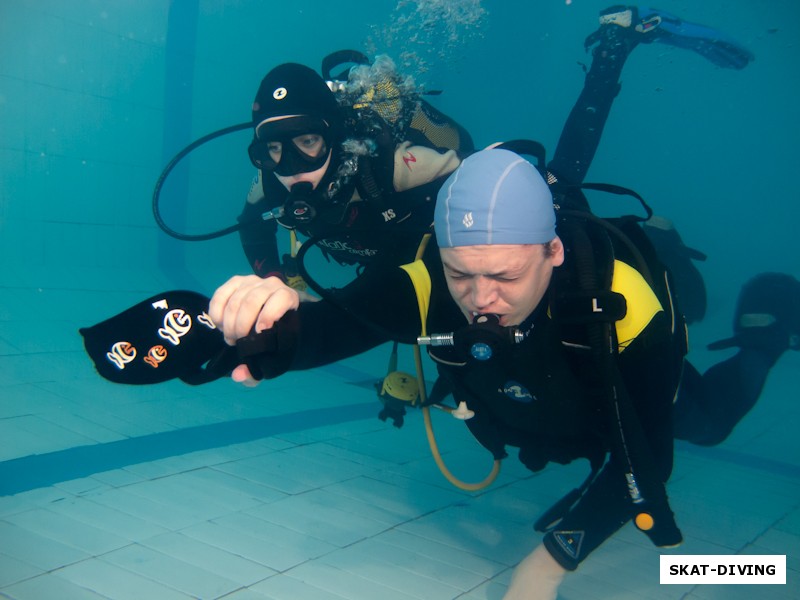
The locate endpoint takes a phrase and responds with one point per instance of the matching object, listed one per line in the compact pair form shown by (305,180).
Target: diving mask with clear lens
(290,146)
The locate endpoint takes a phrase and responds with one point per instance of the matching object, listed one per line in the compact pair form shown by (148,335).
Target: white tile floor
(351,510)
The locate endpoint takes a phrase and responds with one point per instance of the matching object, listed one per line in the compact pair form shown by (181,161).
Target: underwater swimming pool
(296,489)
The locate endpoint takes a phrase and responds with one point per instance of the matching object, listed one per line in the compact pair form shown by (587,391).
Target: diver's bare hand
(241,374)
(245,301)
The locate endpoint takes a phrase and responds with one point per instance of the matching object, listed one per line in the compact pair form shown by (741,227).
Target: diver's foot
(641,24)
(767,315)
(690,290)
(616,36)
(628,16)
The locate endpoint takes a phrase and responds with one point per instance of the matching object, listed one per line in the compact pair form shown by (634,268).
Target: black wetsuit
(535,398)
(538,398)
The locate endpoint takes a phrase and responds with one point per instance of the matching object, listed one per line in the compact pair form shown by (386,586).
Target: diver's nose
(484,294)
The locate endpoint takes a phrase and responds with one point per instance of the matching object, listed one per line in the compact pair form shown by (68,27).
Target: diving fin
(767,315)
(167,336)
(655,25)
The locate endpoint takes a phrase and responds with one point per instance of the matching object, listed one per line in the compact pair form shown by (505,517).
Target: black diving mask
(291,146)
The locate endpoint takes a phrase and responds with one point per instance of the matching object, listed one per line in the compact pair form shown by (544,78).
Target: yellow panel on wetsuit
(421,279)
(642,303)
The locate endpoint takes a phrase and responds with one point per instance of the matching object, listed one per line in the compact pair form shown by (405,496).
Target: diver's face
(506,280)
(295,148)
(301,152)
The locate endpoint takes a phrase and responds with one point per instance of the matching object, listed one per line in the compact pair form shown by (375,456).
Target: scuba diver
(562,341)
(373,162)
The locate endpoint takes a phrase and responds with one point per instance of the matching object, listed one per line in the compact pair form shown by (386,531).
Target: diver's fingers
(280,301)
(237,305)
(241,374)
(257,304)
(220,299)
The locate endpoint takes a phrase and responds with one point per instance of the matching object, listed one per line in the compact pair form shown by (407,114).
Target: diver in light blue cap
(496,228)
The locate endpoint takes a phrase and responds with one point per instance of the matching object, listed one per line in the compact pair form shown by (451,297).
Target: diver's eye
(274,148)
(457,275)
(311,144)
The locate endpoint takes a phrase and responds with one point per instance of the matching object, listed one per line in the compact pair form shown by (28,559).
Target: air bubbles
(421,31)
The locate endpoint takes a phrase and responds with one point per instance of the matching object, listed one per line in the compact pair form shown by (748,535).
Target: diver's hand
(537,577)
(246,302)
(241,374)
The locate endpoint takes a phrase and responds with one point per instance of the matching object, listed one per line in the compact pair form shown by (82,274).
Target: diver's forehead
(489,259)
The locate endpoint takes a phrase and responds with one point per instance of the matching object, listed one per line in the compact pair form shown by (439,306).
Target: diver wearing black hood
(317,164)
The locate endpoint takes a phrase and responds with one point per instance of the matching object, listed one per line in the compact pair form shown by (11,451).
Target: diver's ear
(557,251)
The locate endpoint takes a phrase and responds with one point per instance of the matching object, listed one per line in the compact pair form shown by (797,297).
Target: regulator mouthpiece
(481,340)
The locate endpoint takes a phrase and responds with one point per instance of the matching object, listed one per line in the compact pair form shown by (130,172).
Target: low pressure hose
(168,169)
(426,414)
(437,456)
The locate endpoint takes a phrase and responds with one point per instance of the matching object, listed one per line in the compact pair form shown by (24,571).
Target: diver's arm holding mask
(369,311)
(246,303)
(537,577)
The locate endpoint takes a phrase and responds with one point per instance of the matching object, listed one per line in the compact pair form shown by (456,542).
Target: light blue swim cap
(494,197)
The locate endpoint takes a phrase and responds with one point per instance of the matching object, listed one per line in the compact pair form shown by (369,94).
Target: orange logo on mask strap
(157,355)
(121,354)
(176,325)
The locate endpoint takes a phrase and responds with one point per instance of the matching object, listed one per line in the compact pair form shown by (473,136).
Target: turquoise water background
(83,117)
(97,95)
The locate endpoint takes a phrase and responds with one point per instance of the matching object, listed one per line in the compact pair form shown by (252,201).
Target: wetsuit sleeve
(415,166)
(379,306)
(650,380)
(259,237)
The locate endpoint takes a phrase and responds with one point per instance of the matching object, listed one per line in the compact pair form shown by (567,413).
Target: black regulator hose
(168,169)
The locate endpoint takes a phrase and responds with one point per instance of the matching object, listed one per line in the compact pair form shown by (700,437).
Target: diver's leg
(622,28)
(767,323)
(710,405)
(584,126)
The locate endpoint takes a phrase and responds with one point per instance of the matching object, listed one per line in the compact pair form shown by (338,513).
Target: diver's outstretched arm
(622,28)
